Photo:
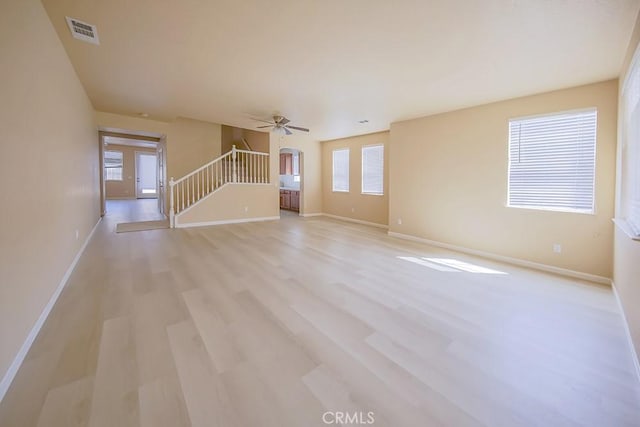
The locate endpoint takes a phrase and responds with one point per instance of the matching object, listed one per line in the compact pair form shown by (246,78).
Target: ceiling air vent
(83,31)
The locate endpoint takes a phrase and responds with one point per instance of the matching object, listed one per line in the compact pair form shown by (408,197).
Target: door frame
(136,155)
(161,151)
(300,173)
(103,189)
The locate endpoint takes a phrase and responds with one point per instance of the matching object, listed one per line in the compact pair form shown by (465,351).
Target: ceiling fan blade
(287,131)
(263,121)
(261,127)
(283,121)
(298,128)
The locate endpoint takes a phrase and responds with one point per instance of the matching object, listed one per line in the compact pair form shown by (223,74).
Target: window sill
(626,228)
(542,208)
(372,194)
(339,191)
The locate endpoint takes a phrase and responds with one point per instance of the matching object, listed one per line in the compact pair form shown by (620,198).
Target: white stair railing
(234,167)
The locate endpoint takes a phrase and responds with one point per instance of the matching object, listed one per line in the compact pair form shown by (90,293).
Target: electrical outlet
(246,208)
(557,248)
(77,234)
(353,209)
(399,221)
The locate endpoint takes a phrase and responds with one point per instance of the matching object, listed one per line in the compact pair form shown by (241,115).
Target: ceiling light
(363,121)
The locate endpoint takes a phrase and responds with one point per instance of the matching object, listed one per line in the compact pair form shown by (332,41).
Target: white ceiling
(328,64)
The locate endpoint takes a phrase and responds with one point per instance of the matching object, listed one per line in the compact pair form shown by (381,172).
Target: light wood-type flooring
(133,210)
(276,323)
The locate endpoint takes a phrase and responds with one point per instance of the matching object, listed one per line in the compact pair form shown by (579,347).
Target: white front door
(146,175)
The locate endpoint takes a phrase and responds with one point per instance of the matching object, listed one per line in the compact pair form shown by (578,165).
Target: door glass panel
(147,169)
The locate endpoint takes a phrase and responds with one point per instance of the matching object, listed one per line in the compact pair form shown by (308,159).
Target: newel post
(234,176)
(171,209)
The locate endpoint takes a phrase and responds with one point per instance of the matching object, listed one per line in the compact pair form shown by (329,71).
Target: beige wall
(234,202)
(311,173)
(125,189)
(191,144)
(626,265)
(354,204)
(258,141)
(448,183)
(128,123)
(50,169)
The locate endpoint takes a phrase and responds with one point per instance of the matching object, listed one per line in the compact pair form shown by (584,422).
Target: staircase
(234,167)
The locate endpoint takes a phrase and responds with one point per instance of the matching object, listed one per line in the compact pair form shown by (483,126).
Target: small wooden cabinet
(286,164)
(295,201)
(290,200)
(285,199)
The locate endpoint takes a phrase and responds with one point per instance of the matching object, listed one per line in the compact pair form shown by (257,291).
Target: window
(552,161)
(296,164)
(341,170)
(629,209)
(113,165)
(372,169)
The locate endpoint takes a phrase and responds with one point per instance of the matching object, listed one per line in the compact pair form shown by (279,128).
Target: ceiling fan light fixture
(281,125)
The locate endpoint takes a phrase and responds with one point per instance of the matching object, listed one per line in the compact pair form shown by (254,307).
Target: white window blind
(113,165)
(341,170)
(630,160)
(372,169)
(552,161)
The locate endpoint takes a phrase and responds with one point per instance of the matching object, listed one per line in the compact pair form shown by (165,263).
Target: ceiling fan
(281,124)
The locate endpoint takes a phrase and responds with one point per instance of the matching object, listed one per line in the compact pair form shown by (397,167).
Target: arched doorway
(291,179)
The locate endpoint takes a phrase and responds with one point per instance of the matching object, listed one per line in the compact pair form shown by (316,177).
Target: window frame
(333,170)
(104,166)
(627,214)
(591,211)
(362,171)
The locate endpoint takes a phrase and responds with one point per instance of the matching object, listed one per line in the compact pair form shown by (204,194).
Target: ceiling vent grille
(83,31)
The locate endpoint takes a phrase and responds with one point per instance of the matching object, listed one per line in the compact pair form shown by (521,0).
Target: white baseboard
(509,260)
(357,221)
(309,215)
(227,221)
(636,361)
(28,342)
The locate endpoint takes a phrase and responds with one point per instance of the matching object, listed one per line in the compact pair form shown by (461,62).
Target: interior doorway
(291,178)
(133,175)
(162,174)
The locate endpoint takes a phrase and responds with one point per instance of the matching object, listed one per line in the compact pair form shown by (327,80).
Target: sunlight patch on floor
(450,265)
